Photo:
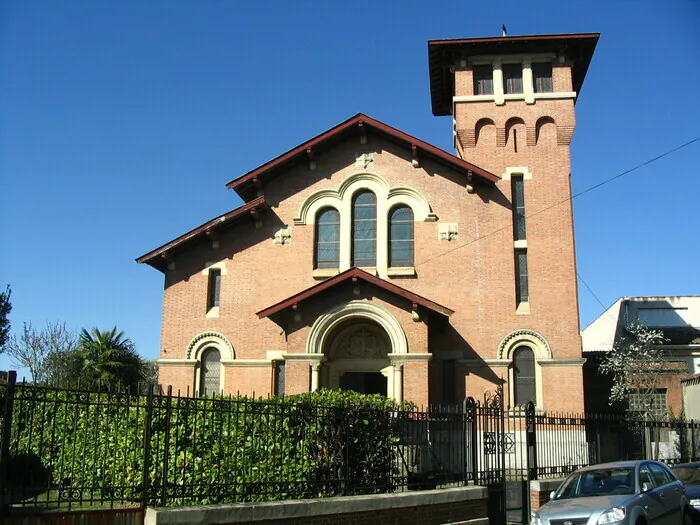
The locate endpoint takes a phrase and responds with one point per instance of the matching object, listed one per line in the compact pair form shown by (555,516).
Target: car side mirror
(646,487)
(551,495)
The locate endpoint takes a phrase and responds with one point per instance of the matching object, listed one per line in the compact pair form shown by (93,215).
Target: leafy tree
(109,358)
(34,349)
(5,309)
(637,365)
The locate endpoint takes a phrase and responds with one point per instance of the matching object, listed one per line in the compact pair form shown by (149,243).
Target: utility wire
(596,186)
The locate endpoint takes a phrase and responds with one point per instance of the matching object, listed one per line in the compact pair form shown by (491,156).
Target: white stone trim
(520,245)
(210,339)
(324,325)
(213,313)
(516,170)
(398,271)
(216,265)
(402,358)
(563,361)
(324,273)
(341,200)
(523,308)
(176,362)
(500,100)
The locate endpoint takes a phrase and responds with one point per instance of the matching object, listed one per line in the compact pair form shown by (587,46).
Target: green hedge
(210,450)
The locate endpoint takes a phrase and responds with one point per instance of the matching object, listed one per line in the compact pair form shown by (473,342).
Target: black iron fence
(67,449)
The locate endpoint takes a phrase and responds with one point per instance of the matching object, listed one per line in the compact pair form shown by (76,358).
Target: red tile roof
(354,273)
(245,185)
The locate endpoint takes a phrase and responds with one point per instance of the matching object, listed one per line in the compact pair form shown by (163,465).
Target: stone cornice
(176,362)
(396,358)
(564,361)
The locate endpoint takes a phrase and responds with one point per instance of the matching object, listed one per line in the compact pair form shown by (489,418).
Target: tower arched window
(364,229)
(327,252)
(401,237)
(524,376)
(210,380)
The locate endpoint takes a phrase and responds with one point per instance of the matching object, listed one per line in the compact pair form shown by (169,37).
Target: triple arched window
(365,235)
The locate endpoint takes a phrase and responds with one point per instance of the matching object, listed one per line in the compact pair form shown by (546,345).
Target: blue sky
(121,122)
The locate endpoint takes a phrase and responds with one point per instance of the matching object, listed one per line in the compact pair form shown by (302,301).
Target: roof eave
(244,182)
(158,258)
(302,296)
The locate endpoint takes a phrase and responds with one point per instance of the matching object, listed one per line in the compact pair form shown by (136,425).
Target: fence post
(8,407)
(166,448)
(473,443)
(148,422)
(531,429)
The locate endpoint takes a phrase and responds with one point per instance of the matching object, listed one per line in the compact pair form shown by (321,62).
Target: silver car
(624,492)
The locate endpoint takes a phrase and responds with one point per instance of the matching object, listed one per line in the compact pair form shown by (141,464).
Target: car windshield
(598,482)
(687,474)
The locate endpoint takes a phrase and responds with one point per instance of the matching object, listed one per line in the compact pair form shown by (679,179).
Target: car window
(661,477)
(645,476)
(618,480)
(690,475)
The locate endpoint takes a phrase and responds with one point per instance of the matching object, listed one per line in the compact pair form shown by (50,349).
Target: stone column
(398,381)
(315,373)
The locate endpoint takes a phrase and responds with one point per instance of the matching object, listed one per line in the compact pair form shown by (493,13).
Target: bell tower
(512,104)
(511,98)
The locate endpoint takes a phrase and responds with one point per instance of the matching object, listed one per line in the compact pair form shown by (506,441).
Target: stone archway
(357,358)
(337,339)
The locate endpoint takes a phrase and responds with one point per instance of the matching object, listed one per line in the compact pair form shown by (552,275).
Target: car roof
(687,465)
(616,464)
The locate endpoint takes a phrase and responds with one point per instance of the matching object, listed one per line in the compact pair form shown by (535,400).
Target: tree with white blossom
(637,365)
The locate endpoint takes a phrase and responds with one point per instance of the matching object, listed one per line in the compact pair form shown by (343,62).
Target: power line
(596,186)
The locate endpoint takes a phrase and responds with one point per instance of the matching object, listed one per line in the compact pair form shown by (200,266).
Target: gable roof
(245,185)
(351,275)
(157,258)
(443,54)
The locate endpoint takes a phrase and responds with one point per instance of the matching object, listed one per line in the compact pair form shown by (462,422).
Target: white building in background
(678,317)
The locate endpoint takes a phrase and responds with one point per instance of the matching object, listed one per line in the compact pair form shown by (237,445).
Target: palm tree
(109,358)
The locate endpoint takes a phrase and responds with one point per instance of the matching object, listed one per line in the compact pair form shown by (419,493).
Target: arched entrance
(357,358)
(362,338)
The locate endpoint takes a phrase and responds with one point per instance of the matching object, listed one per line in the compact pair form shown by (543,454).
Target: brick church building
(368,259)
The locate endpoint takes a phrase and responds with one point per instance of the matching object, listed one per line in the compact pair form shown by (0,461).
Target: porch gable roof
(353,274)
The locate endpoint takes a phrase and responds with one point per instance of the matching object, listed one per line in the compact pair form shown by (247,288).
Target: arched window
(364,229)
(328,238)
(401,237)
(210,381)
(524,376)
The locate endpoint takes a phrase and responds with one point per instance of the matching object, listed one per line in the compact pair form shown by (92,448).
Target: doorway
(364,382)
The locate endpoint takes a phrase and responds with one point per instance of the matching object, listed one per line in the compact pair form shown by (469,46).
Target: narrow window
(512,78)
(524,376)
(279,378)
(518,206)
(214,291)
(483,79)
(210,380)
(328,238)
(401,237)
(542,77)
(522,293)
(364,230)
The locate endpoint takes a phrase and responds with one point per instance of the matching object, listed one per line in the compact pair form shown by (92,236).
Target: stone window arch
(201,349)
(387,198)
(517,347)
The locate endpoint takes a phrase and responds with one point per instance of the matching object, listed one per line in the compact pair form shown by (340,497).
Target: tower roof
(442,55)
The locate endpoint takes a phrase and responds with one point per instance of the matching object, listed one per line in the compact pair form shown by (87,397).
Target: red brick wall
(474,276)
